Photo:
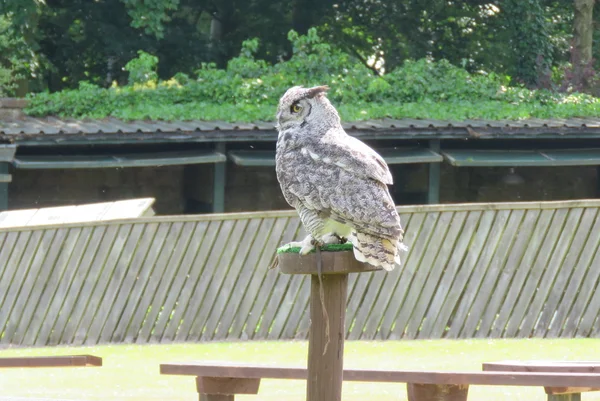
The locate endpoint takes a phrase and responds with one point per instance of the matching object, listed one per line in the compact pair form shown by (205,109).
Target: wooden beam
(219,181)
(118,160)
(433,193)
(4,186)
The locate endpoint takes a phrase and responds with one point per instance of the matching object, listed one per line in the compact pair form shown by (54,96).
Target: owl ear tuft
(312,92)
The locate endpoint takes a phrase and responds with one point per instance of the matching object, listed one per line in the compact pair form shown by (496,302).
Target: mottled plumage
(337,183)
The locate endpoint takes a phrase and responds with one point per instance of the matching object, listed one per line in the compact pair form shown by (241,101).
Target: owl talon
(307,245)
(331,239)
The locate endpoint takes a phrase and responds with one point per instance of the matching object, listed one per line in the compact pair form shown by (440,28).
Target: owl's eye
(295,108)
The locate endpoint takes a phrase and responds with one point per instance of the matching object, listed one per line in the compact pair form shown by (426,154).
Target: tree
(581,52)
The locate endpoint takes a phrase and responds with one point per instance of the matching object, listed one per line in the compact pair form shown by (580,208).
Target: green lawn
(130,372)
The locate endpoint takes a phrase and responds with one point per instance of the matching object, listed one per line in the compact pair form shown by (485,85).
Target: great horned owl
(337,183)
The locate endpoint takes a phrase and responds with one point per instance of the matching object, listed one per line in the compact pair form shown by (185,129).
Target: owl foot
(328,239)
(307,245)
(333,239)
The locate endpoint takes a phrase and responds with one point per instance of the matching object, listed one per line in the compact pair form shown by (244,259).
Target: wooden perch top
(341,262)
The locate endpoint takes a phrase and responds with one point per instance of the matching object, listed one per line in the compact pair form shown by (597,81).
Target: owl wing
(346,180)
(365,205)
(355,156)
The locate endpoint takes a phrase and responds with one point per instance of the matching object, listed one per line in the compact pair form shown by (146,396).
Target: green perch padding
(326,248)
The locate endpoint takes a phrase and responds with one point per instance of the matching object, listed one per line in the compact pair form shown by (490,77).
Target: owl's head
(300,107)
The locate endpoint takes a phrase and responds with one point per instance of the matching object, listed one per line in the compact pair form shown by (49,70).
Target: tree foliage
(76,40)
(249,88)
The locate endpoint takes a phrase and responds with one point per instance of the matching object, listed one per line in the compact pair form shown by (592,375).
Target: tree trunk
(583,29)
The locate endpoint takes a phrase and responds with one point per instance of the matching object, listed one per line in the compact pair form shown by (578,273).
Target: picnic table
(58,361)
(222,381)
(555,393)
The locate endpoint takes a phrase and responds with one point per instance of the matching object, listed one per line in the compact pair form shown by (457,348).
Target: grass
(325,248)
(130,372)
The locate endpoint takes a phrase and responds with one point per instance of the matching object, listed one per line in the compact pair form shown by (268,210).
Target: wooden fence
(478,270)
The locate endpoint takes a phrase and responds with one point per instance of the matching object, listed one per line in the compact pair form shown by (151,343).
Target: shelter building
(204,167)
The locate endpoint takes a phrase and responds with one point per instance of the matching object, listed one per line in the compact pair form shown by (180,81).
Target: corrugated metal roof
(29,128)
(52,125)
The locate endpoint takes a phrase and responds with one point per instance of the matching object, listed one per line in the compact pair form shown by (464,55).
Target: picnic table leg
(217,397)
(567,393)
(224,388)
(564,397)
(437,392)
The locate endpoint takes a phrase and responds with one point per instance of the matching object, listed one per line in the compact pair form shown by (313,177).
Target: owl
(337,184)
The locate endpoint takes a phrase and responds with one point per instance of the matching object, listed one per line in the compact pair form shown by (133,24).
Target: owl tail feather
(376,251)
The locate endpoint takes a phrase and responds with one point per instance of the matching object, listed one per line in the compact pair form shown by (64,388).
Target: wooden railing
(476,270)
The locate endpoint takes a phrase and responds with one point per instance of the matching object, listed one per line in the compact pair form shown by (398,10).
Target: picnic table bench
(222,381)
(568,393)
(59,361)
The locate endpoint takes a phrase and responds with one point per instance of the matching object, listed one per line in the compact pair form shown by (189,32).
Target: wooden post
(326,350)
(219,181)
(7,154)
(327,315)
(5,178)
(433,193)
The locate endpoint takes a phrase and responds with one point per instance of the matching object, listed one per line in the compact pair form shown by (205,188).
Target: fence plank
(169,271)
(533,278)
(489,322)
(488,234)
(56,289)
(285,312)
(24,333)
(279,289)
(376,326)
(550,314)
(364,329)
(404,328)
(415,254)
(168,323)
(92,271)
(67,295)
(18,266)
(577,324)
(211,303)
(444,300)
(114,298)
(546,285)
(497,264)
(435,274)
(13,248)
(256,322)
(132,318)
(113,330)
(373,316)
(93,316)
(27,276)
(179,296)
(195,288)
(520,278)
(105,268)
(212,278)
(150,302)
(267,240)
